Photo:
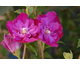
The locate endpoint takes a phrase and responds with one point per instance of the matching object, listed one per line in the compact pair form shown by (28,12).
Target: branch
(24,52)
(40,49)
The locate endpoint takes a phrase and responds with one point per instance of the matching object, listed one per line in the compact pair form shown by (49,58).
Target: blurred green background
(69,17)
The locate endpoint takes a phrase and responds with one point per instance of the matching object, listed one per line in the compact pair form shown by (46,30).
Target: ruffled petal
(22,17)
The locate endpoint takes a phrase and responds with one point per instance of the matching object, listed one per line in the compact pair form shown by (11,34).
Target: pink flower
(10,44)
(51,29)
(24,29)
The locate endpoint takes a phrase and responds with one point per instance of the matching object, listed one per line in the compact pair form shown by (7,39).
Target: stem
(24,52)
(39,42)
(43,44)
(35,10)
(40,49)
(79,57)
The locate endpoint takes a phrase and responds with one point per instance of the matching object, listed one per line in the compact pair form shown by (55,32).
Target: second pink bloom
(51,29)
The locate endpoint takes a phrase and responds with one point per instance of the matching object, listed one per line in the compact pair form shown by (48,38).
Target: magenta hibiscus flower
(51,29)
(10,44)
(24,29)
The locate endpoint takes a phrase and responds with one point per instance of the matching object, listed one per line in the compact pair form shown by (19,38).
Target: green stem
(43,44)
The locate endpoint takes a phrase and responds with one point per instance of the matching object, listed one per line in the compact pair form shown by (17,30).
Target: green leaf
(47,47)
(4,9)
(47,55)
(40,8)
(61,42)
(78,43)
(29,10)
(20,11)
(34,44)
(33,57)
(68,55)
(17,53)
(32,49)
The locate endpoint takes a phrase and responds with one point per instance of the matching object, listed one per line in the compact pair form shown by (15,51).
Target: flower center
(47,31)
(24,31)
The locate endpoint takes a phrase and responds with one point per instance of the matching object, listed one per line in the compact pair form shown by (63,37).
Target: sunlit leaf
(4,9)
(29,9)
(17,53)
(20,11)
(78,43)
(68,55)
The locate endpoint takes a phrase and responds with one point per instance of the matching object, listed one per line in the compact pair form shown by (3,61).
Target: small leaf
(47,47)
(20,11)
(32,49)
(78,43)
(4,9)
(17,53)
(47,55)
(68,55)
(61,42)
(29,10)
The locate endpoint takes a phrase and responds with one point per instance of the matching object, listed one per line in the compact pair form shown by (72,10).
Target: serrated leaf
(61,42)
(47,55)
(68,55)
(78,43)
(4,9)
(20,11)
(32,49)
(17,53)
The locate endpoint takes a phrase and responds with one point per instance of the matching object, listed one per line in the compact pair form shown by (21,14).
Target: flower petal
(22,17)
